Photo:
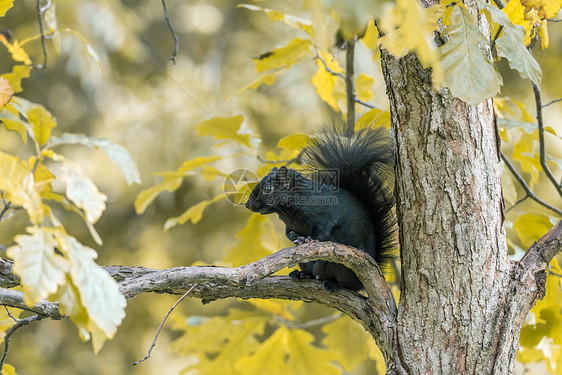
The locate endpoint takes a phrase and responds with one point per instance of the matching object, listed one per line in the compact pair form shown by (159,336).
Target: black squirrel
(343,199)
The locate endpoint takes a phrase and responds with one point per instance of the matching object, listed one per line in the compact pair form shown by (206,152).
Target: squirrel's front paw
(297,275)
(302,240)
(332,286)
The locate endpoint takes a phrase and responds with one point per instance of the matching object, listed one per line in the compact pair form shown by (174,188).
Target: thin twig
(40,11)
(552,102)
(552,272)
(350,85)
(7,206)
(544,166)
(7,337)
(500,3)
(493,44)
(10,314)
(528,190)
(162,324)
(357,100)
(516,203)
(324,320)
(328,68)
(176,39)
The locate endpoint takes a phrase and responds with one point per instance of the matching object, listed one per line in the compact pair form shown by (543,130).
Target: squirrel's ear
(275,169)
(284,175)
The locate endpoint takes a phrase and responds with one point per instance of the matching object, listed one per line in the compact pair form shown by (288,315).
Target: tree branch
(541,252)
(544,166)
(173,32)
(350,85)
(376,312)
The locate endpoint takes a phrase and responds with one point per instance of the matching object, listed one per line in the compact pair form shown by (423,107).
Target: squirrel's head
(272,192)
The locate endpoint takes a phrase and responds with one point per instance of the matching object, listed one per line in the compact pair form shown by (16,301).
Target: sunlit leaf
(364,87)
(91,51)
(16,50)
(307,357)
(118,154)
(43,122)
(376,355)
(508,186)
(5,5)
(523,152)
(408,26)
(224,128)
(270,357)
(145,197)
(346,339)
(6,92)
(283,57)
(19,72)
(294,141)
(83,192)
(275,15)
(99,292)
(17,182)
(268,79)
(373,118)
(325,81)
(35,261)
(371,36)
(193,214)
(9,117)
(511,46)
(8,369)
(251,246)
(469,74)
(531,227)
(546,8)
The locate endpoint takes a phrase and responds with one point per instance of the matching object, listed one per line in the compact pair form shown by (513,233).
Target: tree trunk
(458,311)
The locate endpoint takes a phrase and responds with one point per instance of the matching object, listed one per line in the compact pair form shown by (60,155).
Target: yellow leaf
(42,122)
(224,128)
(376,355)
(17,182)
(16,50)
(145,197)
(543,34)
(194,213)
(35,261)
(296,141)
(324,81)
(276,307)
(268,79)
(9,116)
(408,26)
(363,87)
(296,51)
(346,339)
(19,72)
(6,92)
(528,159)
(5,5)
(306,357)
(251,247)
(371,36)
(270,356)
(8,369)
(276,15)
(373,118)
(531,227)
(516,14)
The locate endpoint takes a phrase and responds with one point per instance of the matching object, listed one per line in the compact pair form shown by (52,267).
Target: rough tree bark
(462,306)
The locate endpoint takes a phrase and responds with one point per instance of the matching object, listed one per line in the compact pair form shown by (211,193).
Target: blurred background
(144,102)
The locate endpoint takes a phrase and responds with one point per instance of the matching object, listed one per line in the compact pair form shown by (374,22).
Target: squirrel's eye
(267,188)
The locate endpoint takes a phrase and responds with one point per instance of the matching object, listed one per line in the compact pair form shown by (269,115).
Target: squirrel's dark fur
(343,199)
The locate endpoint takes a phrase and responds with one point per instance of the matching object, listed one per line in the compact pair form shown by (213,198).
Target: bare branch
(176,39)
(40,11)
(328,68)
(493,44)
(162,325)
(552,102)
(499,3)
(544,166)
(8,336)
(350,85)
(376,313)
(542,251)
(526,187)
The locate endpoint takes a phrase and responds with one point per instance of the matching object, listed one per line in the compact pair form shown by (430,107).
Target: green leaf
(469,74)
(42,122)
(283,57)
(347,340)
(99,292)
(194,213)
(510,45)
(224,128)
(35,261)
(528,127)
(118,154)
(16,181)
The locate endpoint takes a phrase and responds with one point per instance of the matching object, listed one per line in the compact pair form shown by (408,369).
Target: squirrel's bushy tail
(364,163)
